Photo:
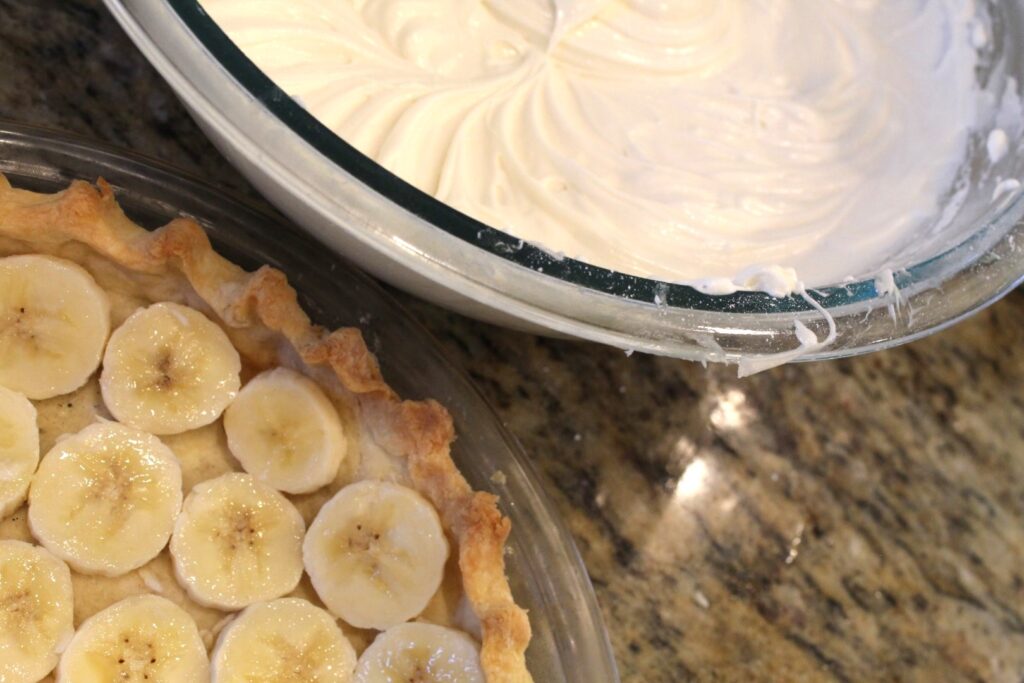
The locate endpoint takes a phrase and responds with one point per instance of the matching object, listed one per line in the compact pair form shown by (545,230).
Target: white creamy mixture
(724,143)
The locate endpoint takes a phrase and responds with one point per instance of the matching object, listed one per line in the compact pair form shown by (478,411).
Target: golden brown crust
(262,315)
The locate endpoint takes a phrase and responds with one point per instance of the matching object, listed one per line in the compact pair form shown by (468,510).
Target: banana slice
(142,639)
(420,653)
(19,449)
(283,641)
(36,611)
(105,499)
(376,554)
(285,432)
(54,322)
(169,369)
(237,542)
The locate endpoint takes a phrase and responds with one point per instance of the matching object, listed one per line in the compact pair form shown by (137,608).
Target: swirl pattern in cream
(701,141)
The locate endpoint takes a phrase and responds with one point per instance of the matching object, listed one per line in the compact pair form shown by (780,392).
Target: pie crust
(261,314)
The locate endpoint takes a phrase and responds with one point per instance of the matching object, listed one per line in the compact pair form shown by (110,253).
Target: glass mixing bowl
(548,578)
(418,243)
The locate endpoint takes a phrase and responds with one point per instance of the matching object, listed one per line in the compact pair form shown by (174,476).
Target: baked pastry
(154,367)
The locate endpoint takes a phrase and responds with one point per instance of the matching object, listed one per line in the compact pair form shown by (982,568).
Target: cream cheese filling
(727,144)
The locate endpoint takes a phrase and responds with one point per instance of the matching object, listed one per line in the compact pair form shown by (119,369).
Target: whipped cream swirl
(723,143)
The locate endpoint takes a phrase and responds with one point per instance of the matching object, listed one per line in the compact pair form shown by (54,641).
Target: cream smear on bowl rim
(725,144)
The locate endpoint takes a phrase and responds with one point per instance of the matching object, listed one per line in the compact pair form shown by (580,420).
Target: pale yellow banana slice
(285,432)
(19,449)
(142,639)
(376,554)
(105,500)
(169,369)
(283,641)
(54,322)
(36,611)
(420,653)
(237,542)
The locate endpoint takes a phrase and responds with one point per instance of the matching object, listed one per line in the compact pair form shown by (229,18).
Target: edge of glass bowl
(640,314)
(544,562)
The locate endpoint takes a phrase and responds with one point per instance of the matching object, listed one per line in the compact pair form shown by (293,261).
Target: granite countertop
(859,520)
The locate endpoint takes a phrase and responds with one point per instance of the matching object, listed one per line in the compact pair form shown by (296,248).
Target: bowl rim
(531,256)
(62,156)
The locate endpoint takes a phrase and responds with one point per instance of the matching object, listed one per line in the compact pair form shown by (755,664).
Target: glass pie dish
(416,242)
(548,578)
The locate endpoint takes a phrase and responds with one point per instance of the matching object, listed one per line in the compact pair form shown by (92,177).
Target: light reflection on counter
(695,480)
(731,410)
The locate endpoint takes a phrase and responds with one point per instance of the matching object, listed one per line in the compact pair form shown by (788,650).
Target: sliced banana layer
(54,322)
(19,449)
(105,500)
(283,641)
(169,369)
(36,611)
(142,639)
(376,554)
(420,653)
(237,542)
(285,432)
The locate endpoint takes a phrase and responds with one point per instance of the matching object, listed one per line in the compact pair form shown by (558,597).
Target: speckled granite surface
(855,521)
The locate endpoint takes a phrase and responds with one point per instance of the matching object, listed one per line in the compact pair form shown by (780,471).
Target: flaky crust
(261,314)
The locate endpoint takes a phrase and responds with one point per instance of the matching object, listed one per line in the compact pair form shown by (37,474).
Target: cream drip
(729,144)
